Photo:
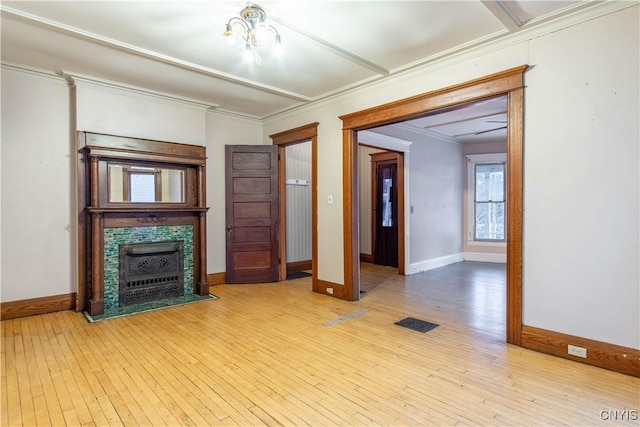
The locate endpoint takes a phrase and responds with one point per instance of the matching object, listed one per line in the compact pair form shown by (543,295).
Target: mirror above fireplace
(132,183)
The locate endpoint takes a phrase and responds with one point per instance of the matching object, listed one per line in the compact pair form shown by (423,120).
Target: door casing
(509,82)
(282,140)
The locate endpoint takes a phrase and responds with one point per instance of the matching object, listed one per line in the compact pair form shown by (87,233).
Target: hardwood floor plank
(273,354)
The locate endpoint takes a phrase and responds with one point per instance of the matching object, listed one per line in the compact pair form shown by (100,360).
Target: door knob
(229,228)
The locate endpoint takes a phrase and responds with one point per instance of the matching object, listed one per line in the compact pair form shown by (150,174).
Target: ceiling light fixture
(254,31)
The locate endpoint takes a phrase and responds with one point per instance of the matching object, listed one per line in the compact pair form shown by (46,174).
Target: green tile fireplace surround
(114,237)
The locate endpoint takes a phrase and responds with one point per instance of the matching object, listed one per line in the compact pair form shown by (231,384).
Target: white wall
(223,129)
(37,235)
(581,127)
(106,108)
(437,182)
(364,197)
(581,167)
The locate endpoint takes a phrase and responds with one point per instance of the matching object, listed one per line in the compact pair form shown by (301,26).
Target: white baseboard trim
(430,264)
(485,257)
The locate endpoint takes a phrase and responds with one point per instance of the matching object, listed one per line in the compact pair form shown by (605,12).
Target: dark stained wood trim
(292,136)
(303,133)
(282,210)
(202,285)
(351,220)
(509,82)
(314,210)
(296,266)
(216,278)
(514,206)
(324,286)
(84,227)
(414,107)
(112,145)
(96,300)
(608,356)
(35,306)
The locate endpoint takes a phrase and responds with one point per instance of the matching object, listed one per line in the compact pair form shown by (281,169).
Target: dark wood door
(252,213)
(385,210)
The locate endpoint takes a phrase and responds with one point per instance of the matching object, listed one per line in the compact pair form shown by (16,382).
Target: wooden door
(385,209)
(252,213)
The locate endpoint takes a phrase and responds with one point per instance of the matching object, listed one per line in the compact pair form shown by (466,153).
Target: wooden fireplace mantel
(99,209)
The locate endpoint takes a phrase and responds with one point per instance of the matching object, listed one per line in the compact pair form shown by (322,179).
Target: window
(142,187)
(142,184)
(387,216)
(487,197)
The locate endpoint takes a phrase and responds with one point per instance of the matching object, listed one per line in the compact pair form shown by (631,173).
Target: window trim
(472,161)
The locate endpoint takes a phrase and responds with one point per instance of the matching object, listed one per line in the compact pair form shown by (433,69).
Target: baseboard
(216,278)
(485,257)
(608,356)
(295,266)
(329,288)
(435,263)
(35,306)
(366,258)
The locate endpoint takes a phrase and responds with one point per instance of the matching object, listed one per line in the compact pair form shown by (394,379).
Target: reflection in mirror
(137,184)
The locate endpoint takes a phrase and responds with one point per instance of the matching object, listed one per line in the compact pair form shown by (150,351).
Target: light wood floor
(262,355)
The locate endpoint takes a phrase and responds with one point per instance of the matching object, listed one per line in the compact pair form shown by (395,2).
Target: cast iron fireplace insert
(151,271)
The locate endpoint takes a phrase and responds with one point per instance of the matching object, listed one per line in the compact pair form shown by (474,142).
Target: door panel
(252,213)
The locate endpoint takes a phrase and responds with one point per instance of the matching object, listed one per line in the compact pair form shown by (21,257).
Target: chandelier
(253,30)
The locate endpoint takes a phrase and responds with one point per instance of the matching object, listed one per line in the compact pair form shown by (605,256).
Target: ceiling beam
(350,56)
(501,11)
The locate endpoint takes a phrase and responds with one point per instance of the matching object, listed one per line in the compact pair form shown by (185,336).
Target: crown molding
(469,51)
(31,73)
(146,53)
(567,17)
(233,114)
(80,80)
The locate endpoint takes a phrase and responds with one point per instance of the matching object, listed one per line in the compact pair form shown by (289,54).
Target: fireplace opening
(151,272)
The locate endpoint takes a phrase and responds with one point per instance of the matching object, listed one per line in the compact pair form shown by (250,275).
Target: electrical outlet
(577,351)
(330,291)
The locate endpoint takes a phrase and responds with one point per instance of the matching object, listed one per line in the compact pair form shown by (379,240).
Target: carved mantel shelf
(108,173)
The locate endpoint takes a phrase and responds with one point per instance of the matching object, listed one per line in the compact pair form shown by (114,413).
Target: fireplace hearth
(150,272)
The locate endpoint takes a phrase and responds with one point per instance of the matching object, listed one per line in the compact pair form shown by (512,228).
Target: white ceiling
(176,47)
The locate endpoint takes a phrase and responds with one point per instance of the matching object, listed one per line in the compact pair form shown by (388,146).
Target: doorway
(384,212)
(509,83)
(282,140)
(297,200)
